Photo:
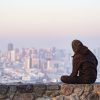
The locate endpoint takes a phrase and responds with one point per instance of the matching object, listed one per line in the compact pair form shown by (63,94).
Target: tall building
(35,63)
(17,54)
(28,62)
(11,53)
(12,56)
(10,47)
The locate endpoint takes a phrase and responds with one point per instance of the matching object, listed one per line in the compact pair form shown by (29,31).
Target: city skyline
(37,65)
(32,64)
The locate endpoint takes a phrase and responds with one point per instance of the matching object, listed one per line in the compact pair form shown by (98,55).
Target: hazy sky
(49,22)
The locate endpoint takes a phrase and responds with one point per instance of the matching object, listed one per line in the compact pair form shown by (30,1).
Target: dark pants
(76,80)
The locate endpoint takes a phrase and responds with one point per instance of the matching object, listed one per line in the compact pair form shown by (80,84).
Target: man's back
(87,64)
(84,62)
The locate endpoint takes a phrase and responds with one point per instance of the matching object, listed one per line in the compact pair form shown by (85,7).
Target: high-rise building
(41,53)
(12,55)
(35,63)
(28,62)
(17,54)
(10,47)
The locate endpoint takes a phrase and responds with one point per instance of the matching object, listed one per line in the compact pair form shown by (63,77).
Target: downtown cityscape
(32,65)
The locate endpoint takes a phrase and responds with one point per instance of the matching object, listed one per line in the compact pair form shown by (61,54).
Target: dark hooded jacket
(84,63)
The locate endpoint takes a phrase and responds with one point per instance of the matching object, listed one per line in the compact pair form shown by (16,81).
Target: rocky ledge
(50,92)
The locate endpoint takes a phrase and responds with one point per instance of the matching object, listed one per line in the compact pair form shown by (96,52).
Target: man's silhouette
(84,65)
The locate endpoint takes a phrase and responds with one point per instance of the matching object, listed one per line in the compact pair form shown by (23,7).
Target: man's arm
(75,68)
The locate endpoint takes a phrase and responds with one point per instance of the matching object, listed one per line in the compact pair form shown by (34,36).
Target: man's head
(76,45)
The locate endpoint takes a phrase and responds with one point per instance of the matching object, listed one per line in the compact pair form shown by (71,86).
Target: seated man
(84,65)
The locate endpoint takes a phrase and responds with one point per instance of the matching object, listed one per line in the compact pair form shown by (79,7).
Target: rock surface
(50,92)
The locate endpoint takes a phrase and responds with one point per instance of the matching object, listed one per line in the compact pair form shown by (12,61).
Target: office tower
(34,53)
(35,63)
(12,55)
(49,65)
(41,53)
(10,47)
(27,62)
(17,54)
(23,52)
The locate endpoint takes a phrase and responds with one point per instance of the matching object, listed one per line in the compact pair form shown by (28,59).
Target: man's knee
(70,80)
(64,78)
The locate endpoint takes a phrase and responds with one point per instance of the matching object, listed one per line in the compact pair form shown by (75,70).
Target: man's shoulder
(76,56)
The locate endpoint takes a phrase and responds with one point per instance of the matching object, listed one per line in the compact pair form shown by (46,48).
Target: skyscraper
(10,47)
(12,56)
(28,62)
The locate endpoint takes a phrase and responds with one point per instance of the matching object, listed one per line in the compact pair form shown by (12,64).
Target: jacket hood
(78,47)
(83,50)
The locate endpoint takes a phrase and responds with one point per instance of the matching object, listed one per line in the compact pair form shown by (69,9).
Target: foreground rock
(50,92)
